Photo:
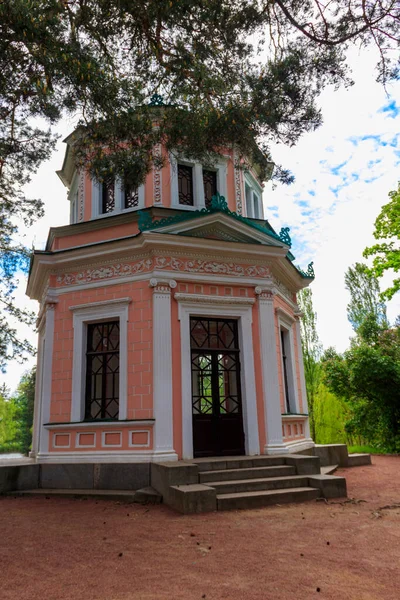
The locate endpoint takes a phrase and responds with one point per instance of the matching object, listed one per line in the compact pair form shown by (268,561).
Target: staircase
(232,483)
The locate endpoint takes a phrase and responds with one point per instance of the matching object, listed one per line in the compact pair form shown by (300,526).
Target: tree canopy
(386,252)
(230,73)
(365,304)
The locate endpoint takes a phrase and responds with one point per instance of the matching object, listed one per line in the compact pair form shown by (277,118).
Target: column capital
(265,293)
(162,286)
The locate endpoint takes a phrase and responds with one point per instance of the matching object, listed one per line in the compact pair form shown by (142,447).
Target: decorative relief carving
(159,263)
(81,196)
(283,289)
(238,188)
(118,270)
(157,176)
(161,286)
(211,267)
(264,293)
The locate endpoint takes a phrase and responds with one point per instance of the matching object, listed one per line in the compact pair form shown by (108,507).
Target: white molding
(207,299)
(77,439)
(47,377)
(96,312)
(63,446)
(269,370)
(294,417)
(93,305)
(162,366)
(284,316)
(103,439)
(147,445)
(249,400)
(105,456)
(291,363)
(37,421)
(299,445)
(97,424)
(302,376)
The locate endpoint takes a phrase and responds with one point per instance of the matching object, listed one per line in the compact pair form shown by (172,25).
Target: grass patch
(365,450)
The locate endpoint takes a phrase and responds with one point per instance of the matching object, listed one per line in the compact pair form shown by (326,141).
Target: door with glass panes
(216,389)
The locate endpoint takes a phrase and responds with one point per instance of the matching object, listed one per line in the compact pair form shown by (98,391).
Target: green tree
(386,252)
(312,349)
(16,415)
(367,376)
(101,60)
(365,303)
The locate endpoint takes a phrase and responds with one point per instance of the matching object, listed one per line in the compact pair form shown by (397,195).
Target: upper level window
(112,197)
(253,202)
(108,197)
(193,186)
(102,371)
(210,186)
(130,197)
(185,185)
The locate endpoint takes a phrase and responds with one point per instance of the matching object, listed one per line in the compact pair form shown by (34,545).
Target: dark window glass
(102,371)
(108,197)
(285,371)
(210,186)
(131,197)
(185,185)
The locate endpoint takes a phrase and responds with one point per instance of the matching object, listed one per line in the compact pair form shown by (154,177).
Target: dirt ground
(60,549)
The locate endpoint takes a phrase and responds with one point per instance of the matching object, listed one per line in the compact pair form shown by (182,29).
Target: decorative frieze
(170,263)
(81,196)
(283,289)
(211,267)
(157,175)
(101,273)
(238,187)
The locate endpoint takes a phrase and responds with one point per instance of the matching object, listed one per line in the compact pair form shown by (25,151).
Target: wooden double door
(216,389)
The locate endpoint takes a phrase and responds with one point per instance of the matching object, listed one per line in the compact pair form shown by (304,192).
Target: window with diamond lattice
(131,197)
(108,197)
(210,186)
(102,371)
(185,185)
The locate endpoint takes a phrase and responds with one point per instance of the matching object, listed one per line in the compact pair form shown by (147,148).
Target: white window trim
(198,189)
(95,313)
(198,307)
(285,323)
(257,190)
(118,190)
(73,197)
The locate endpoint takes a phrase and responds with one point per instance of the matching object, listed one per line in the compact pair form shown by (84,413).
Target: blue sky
(343,172)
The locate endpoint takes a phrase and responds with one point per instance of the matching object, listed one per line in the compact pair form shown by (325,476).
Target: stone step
(143,496)
(247,473)
(265,498)
(254,485)
(236,462)
(357,460)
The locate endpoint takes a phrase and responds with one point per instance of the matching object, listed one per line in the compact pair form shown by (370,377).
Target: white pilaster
(269,368)
(46,374)
(162,368)
(307,435)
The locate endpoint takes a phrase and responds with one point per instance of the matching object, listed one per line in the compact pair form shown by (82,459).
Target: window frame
(256,197)
(89,357)
(83,315)
(198,185)
(97,199)
(285,327)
